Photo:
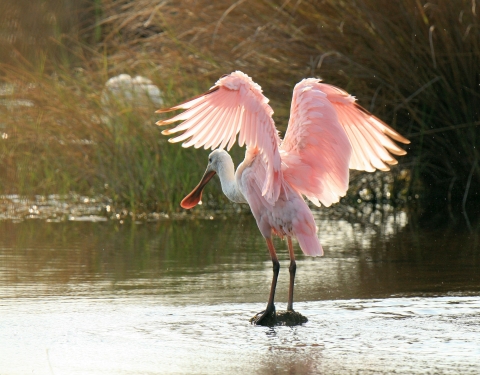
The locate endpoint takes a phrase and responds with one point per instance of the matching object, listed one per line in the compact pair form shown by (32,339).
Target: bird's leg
(276,270)
(261,318)
(292,268)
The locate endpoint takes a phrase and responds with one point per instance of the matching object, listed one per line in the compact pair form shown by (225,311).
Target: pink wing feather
(369,136)
(316,151)
(328,133)
(235,105)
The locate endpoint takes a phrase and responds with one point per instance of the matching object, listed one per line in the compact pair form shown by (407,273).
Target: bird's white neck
(226,173)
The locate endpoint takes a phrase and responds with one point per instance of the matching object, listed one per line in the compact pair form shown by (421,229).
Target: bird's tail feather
(309,244)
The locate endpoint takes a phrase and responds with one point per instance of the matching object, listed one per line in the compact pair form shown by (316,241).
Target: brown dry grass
(413,63)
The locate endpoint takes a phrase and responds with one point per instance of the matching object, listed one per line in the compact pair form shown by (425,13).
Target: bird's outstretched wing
(235,105)
(328,133)
(316,151)
(370,137)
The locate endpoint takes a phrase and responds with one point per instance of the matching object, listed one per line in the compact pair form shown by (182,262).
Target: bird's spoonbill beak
(192,199)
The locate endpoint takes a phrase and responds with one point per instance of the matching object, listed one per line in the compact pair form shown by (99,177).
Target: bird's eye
(210,160)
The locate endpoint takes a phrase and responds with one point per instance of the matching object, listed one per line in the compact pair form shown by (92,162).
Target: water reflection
(226,260)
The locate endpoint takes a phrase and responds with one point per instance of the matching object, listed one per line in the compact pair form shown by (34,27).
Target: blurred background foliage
(413,63)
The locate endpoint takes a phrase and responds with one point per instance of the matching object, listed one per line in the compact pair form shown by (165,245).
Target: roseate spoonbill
(327,134)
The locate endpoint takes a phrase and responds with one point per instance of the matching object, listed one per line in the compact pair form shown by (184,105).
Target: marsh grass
(413,63)
(67,141)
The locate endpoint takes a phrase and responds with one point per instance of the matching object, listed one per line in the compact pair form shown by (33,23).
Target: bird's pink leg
(292,268)
(270,310)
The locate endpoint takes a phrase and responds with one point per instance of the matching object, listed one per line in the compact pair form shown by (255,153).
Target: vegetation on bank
(413,63)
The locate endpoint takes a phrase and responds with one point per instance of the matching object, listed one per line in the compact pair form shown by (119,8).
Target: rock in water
(282,318)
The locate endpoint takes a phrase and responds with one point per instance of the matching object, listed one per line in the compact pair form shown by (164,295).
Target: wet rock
(281,318)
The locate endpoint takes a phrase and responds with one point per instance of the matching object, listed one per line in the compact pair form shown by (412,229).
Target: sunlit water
(175,297)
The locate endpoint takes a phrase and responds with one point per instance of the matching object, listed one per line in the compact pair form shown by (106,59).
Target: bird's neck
(226,173)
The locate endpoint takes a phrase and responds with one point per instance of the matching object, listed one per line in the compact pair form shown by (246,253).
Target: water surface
(175,297)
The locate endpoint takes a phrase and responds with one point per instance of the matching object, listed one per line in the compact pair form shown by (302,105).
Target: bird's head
(216,160)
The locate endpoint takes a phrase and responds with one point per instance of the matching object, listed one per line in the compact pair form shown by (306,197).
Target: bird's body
(328,133)
(289,216)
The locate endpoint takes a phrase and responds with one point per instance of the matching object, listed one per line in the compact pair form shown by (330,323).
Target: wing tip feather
(389,130)
(398,152)
(163,122)
(180,105)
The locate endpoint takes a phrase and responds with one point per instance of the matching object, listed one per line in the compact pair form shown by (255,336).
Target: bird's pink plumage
(327,133)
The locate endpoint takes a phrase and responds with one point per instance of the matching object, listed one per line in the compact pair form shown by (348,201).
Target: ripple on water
(138,335)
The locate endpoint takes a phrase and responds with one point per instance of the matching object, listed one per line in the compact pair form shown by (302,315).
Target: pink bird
(327,134)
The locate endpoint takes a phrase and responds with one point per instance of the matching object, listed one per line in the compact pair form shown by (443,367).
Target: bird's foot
(268,317)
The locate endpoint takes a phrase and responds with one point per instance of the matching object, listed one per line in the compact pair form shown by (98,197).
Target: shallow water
(175,297)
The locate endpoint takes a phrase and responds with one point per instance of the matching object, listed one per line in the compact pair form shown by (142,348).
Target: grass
(413,63)
(67,141)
